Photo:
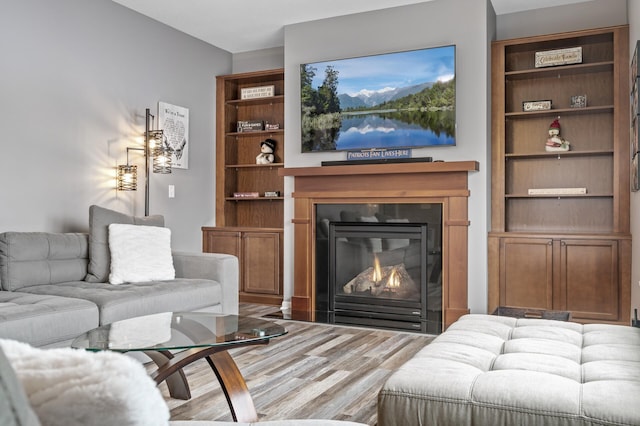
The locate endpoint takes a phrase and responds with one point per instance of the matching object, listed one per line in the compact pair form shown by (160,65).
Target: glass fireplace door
(377,274)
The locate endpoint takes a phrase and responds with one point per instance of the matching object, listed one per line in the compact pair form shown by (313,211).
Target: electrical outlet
(172,191)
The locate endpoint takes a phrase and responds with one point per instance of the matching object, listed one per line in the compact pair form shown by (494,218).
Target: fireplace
(379,265)
(443,183)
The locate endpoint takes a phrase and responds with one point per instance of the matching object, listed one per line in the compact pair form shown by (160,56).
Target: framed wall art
(174,121)
(635,118)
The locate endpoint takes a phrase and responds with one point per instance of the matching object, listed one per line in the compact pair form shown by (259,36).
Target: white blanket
(69,387)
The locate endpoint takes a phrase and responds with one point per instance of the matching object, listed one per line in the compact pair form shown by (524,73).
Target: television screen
(395,100)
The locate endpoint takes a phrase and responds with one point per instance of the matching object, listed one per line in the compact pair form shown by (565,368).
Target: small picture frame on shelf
(578,101)
(536,105)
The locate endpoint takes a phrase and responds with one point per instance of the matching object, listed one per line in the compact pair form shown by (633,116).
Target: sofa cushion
(117,302)
(15,409)
(42,320)
(71,387)
(99,221)
(36,258)
(140,253)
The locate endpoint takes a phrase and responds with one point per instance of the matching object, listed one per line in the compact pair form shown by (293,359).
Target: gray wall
(572,17)
(265,59)
(428,24)
(75,79)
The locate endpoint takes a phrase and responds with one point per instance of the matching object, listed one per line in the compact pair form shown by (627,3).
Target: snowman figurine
(267,147)
(555,142)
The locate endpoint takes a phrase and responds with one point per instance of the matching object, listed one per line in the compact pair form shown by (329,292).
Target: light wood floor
(315,371)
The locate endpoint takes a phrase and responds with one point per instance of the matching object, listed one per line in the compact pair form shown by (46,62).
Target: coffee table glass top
(178,330)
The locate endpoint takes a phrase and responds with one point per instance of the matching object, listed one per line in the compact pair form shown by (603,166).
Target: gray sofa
(50,294)
(489,370)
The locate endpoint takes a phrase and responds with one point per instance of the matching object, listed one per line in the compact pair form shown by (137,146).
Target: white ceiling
(245,25)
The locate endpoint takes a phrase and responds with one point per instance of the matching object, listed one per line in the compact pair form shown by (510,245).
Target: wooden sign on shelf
(552,58)
(257,92)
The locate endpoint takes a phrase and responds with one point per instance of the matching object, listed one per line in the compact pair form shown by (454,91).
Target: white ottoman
(492,370)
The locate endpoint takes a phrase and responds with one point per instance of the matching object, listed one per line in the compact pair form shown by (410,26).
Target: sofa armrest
(213,266)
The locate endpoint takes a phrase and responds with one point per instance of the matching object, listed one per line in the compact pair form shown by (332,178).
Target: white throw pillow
(140,253)
(69,387)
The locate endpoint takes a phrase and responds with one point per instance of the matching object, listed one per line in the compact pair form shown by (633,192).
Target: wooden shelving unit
(250,228)
(568,252)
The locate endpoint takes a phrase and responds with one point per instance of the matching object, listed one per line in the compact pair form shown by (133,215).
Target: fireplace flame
(394,280)
(377,271)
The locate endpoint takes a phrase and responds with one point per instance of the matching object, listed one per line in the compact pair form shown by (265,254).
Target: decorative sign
(250,126)
(257,92)
(246,195)
(557,191)
(174,122)
(551,58)
(536,105)
(378,154)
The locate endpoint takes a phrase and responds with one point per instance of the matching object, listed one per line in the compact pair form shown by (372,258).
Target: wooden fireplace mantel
(421,182)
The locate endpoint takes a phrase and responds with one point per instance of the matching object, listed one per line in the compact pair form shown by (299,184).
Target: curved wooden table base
(231,381)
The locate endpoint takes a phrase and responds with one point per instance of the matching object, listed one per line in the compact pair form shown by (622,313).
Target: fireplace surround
(444,183)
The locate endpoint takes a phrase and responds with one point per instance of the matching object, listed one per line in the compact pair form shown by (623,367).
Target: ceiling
(245,25)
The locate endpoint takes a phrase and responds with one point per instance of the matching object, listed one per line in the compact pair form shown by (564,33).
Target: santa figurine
(555,142)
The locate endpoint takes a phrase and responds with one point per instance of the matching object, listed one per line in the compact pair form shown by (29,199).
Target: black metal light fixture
(154,146)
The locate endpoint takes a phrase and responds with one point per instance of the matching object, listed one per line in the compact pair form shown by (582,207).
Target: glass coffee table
(174,340)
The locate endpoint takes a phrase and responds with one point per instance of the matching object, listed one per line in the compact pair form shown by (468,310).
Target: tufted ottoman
(491,370)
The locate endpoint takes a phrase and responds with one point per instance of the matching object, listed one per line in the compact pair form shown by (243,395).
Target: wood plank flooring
(315,371)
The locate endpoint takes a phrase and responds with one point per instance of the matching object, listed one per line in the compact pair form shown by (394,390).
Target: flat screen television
(394,100)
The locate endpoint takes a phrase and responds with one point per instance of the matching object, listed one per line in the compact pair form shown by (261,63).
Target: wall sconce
(127,176)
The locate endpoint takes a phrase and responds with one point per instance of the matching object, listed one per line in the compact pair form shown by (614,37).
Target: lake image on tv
(403,99)
(382,131)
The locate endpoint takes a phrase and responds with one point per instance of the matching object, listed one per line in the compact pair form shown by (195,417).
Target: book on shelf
(557,191)
(246,195)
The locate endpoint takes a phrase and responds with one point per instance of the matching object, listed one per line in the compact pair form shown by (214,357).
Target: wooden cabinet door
(526,272)
(227,242)
(589,281)
(261,262)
